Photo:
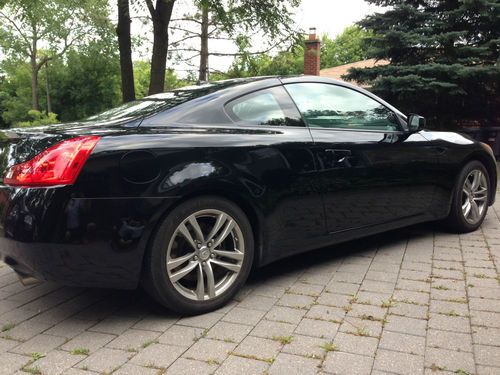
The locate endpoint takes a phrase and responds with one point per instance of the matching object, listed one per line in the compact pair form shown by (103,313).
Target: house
(312,60)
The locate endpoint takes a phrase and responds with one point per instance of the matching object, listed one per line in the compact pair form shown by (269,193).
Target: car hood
(451,137)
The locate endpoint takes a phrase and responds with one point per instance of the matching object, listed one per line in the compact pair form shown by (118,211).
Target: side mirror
(415,122)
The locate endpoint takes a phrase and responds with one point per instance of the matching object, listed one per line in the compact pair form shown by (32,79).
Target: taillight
(60,164)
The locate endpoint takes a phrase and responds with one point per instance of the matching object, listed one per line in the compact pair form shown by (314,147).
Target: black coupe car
(185,191)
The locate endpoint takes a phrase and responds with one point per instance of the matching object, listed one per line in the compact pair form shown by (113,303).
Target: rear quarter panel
(265,170)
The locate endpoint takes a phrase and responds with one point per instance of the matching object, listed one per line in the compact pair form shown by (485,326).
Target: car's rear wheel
(470,199)
(201,255)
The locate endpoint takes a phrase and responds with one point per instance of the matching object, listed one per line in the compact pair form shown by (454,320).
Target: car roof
(210,86)
(252,83)
(210,96)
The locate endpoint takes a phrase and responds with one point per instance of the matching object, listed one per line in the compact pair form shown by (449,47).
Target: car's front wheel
(470,198)
(201,255)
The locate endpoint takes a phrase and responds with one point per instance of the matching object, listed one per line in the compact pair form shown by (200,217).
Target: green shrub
(38,118)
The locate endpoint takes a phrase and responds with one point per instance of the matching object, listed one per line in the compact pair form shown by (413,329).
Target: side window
(270,106)
(330,106)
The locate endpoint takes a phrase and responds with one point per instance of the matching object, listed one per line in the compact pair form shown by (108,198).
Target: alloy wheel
(205,254)
(474,196)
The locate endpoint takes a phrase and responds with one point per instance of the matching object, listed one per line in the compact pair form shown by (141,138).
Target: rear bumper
(52,234)
(83,265)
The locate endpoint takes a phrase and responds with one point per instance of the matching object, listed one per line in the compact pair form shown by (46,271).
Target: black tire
(456,221)
(156,280)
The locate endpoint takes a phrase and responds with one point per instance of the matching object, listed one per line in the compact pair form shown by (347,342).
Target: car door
(372,171)
(283,162)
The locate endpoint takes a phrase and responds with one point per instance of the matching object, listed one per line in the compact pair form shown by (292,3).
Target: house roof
(338,71)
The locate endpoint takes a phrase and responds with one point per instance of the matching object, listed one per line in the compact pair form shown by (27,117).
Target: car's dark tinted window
(332,106)
(271,106)
(136,108)
(165,101)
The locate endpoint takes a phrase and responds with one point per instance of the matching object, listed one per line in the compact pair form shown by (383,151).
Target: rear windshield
(147,106)
(164,101)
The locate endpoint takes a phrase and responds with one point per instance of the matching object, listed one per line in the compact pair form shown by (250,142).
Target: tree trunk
(125,47)
(34,83)
(47,88)
(161,18)
(203,75)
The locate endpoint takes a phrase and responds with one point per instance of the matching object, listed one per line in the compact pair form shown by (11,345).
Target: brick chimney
(312,54)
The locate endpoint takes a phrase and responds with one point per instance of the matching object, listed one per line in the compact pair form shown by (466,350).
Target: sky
(332,16)
(328,16)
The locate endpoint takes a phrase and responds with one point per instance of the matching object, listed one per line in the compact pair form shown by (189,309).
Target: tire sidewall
(160,285)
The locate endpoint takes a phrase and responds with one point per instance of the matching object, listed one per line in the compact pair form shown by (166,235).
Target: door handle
(440,150)
(339,158)
(338,153)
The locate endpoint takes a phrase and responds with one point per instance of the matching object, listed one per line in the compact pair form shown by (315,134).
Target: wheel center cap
(204,253)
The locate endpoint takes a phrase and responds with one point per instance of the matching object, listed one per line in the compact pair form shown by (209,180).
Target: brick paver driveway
(412,301)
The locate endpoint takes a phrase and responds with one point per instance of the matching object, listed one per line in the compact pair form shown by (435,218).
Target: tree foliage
(28,27)
(15,92)
(444,58)
(241,21)
(352,45)
(283,63)
(37,118)
(84,83)
(141,77)
(272,17)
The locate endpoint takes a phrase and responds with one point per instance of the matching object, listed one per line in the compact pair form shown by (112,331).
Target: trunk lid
(18,145)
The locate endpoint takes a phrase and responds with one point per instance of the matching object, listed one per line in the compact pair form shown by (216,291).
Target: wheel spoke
(221,219)
(229,266)
(185,232)
(467,185)
(183,272)
(197,230)
(482,190)
(474,210)
(176,262)
(225,232)
(236,254)
(476,180)
(466,208)
(480,199)
(200,285)
(210,279)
